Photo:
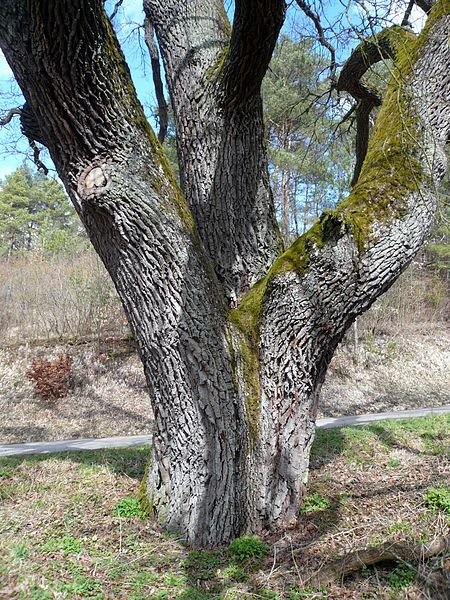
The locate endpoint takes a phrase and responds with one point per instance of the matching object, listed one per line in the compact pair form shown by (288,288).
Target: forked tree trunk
(234,392)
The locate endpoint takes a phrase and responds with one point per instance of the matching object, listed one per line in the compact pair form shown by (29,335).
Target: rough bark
(214,78)
(313,292)
(77,87)
(234,393)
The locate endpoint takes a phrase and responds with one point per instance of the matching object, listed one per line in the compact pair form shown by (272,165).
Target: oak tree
(235,332)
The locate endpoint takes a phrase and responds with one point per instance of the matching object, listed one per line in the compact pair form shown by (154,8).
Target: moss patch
(392,170)
(216,69)
(142,496)
(247,319)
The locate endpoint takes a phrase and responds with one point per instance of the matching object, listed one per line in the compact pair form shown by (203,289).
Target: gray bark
(78,90)
(214,80)
(308,310)
(234,393)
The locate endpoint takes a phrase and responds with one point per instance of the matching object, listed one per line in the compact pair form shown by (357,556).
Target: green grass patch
(314,503)
(401,577)
(246,547)
(438,499)
(202,565)
(129,508)
(64,534)
(66,544)
(426,435)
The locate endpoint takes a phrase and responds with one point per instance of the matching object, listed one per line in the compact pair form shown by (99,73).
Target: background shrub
(51,378)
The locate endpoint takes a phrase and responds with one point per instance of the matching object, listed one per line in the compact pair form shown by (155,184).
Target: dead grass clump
(51,378)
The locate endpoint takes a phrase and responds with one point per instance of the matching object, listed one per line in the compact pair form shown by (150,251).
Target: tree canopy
(35,213)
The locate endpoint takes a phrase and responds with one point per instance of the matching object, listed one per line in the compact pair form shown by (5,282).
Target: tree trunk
(220,141)
(234,393)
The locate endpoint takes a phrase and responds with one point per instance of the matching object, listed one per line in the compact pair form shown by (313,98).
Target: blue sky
(127,22)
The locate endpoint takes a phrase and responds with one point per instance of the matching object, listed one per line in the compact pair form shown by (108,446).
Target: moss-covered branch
(394,169)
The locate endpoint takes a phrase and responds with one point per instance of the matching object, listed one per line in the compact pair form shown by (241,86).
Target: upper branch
(163,113)
(321,33)
(369,52)
(256,26)
(356,251)
(372,50)
(408,12)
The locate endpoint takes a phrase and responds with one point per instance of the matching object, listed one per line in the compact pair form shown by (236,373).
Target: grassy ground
(70,527)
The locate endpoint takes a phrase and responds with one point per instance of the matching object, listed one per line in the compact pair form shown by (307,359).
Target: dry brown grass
(57,297)
(390,372)
(107,397)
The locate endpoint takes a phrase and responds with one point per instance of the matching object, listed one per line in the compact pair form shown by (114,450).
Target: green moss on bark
(215,70)
(142,496)
(392,171)
(247,319)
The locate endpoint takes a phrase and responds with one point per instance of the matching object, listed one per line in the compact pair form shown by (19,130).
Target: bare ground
(108,391)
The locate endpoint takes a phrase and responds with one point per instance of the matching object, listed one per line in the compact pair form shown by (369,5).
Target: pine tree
(35,214)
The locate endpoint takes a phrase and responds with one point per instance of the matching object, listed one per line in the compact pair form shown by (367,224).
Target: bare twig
(163,114)
(116,9)
(322,39)
(36,156)
(9,116)
(405,20)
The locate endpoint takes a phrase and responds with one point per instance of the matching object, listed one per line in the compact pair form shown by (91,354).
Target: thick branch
(229,196)
(163,114)
(371,51)
(368,53)
(299,312)
(389,551)
(255,31)
(321,34)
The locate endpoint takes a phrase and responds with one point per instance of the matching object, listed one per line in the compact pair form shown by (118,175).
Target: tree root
(394,551)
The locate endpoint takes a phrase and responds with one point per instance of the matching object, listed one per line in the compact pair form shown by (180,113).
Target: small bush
(314,503)
(51,378)
(402,576)
(129,508)
(248,546)
(438,499)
